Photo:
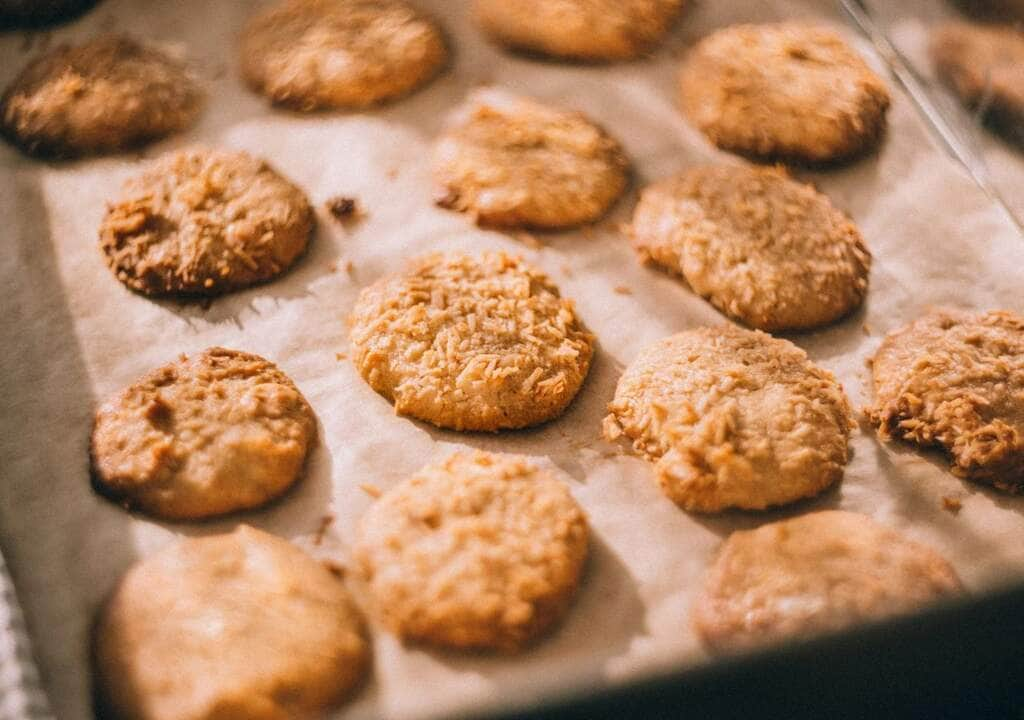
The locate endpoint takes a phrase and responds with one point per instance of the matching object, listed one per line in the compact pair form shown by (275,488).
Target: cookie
(31,13)
(956,380)
(321,54)
(109,94)
(764,249)
(732,418)
(788,91)
(812,574)
(981,64)
(591,30)
(510,161)
(471,343)
(243,625)
(479,551)
(218,432)
(202,222)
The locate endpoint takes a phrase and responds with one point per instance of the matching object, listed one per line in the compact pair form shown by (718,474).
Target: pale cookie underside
(204,436)
(478,551)
(763,248)
(243,625)
(732,418)
(202,222)
(789,91)
(815,573)
(956,380)
(471,343)
(321,54)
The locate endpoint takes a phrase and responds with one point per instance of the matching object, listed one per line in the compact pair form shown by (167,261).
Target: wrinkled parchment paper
(71,334)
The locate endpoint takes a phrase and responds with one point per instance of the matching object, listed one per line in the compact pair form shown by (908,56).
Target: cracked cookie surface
(322,54)
(590,30)
(788,91)
(109,94)
(203,222)
(732,418)
(481,550)
(956,380)
(510,161)
(206,435)
(763,248)
(471,342)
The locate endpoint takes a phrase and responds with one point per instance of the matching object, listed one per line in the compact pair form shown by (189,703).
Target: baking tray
(960,656)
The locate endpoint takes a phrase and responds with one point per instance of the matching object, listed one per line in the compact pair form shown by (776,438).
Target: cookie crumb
(321,530)
(866,329)
(344,208)
(391,173)
(371,490)
(529,240)
(340,356)
(336,569)
(622,290)
(349,267)
(952,505)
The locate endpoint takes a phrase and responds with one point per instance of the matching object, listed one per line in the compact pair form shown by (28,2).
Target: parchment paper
(72,335)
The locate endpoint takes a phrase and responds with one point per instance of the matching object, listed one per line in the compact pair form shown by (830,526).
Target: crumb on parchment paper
(622,290)
(951,504)
(344,208)
(371,490)
(321,529)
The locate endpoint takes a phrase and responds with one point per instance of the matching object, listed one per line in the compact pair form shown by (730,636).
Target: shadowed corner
(65,547)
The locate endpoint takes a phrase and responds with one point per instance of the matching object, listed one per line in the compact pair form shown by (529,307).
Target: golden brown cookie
(321,54)
(956,380)
(510,161)
(471,343)
(732,418)
(814,573)
(787,91)
(218,432)
(478,551)
(243,625)
(30,13)
(578,29)
(982,64)
(109,94)
(767,250)
(205,222)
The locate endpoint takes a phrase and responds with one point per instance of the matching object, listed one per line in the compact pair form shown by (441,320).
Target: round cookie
(471,343)
(591,30)
(243,625)
(732,418)
(203,436)
(982,64)
(956,380)
(767,250)
(511,161)
(811,574)
(32,13)
(479,551)
(202,222)
(320,54)
(787,91)
(109,94)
